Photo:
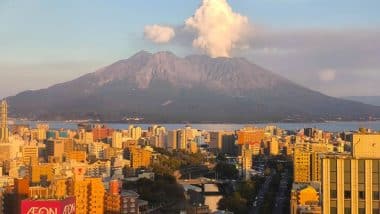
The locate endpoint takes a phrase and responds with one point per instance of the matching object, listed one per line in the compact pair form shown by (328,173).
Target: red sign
(65,206)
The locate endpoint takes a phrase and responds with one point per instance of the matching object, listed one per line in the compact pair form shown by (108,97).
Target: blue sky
(43,42)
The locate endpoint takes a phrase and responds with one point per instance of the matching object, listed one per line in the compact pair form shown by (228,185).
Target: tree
(234,203)
(226,171)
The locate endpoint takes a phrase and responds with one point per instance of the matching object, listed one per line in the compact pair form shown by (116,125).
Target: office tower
(301,165)
(250,134)
(351,182)
(305,198)
(55,149)
(307,161)
(117,140)
(273,147)
(315,166)
(4,131)
(246,161)
(30,155)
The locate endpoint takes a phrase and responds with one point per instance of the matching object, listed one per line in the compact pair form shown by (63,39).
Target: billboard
(42,206)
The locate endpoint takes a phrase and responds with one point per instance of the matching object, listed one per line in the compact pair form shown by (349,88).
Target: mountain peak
(197,88)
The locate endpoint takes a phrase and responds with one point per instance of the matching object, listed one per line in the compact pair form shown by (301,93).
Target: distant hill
(162,88)
(371,100)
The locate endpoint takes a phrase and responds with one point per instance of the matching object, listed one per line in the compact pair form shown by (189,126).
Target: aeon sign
(65,206)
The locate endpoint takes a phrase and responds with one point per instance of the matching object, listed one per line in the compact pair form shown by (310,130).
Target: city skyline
(335,42)
(196,107)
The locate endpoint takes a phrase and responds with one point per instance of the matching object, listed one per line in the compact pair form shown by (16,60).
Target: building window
(332,165)
(347,210)
(361,210)
(347,194)
(361,195)
(333,194)
(375,211)
(333,210)
(375,195)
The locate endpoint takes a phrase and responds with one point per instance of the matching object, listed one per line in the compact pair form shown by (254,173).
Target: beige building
(301,165)
(135,132)
(117,140)
(30,155)
(273,146)
(351,182)
(307,161)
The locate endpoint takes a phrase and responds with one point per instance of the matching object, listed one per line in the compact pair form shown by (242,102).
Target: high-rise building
(30,154)
(117,140)
(215,140)
(135,132)
(185,136)
(273,147)
(89,194)
(246,161)
(250,134)
(4,131)
(301,165)
(351,182)
(140,157)
(101,132)
(55,149)
(307,161)
(172,140)
(112,202)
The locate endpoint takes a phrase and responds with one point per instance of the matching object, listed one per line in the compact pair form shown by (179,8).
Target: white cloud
(218,28)
(159,33)
(327,75)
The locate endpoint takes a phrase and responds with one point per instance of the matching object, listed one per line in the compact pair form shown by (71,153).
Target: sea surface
(327,126)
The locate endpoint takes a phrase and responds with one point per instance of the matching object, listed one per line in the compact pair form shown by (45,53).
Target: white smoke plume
(218,28)
(159,33)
